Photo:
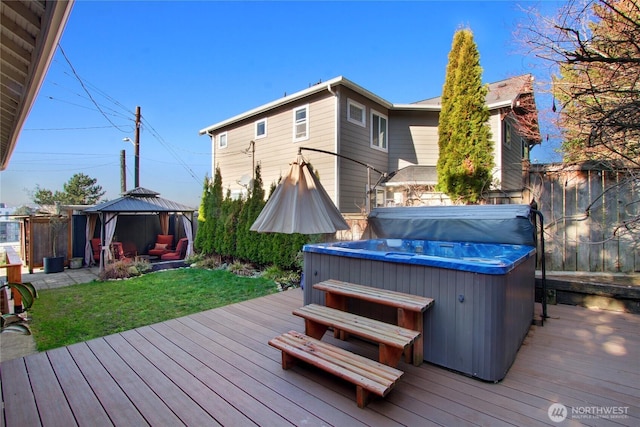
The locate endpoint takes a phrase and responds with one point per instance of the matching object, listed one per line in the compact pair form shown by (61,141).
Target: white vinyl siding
(222,140)
(301,123)
(379,131)
(356,113)
(261,129)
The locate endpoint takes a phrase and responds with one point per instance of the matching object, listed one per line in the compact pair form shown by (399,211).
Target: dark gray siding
(511,159)
(478,336)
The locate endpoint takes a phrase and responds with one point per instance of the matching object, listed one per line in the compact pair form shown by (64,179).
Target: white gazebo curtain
(188,232)
(90,229)
(110,221)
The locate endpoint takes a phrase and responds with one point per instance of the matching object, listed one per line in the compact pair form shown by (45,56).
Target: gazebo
(139,201)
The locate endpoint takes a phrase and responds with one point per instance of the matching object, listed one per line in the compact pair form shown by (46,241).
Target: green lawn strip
(77,313)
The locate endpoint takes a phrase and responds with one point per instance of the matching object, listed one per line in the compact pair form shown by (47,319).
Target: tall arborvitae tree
(249,241)
(465,160)
(215,207)
(200,243)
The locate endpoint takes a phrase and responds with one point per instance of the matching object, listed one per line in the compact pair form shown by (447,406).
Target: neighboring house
(341,117)
(9,227)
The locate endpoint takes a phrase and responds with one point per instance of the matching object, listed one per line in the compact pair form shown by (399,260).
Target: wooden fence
(37,239)
(590,216)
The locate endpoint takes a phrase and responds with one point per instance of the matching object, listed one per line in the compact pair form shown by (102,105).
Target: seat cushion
(165,239)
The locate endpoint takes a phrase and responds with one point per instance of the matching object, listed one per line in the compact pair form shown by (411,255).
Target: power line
(76,128)
(87,90)
(175,155)
(153,132)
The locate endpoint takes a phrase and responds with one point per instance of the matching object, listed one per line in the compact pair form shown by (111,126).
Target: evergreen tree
(465,159)
(200,243)
(81,189)
(212,199)
(249,242)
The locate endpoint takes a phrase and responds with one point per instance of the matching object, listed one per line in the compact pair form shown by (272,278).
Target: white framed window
(301,123)
(379,131)
(356,113)
(222,140)
(261,129)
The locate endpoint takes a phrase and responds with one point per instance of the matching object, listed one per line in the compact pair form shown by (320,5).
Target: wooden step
(392,339)
(368,375)
(396,299)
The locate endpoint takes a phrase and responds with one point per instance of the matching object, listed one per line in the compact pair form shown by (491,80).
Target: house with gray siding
(341,117)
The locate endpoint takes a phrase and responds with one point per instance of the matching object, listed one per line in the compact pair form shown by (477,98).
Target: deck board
(52,404)
(83,402)
(112,398)
(19,402)
(216,368)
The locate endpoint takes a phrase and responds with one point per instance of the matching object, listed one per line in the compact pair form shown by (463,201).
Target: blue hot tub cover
(508,224)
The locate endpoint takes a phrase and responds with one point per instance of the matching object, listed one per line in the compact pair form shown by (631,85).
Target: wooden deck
(216,368)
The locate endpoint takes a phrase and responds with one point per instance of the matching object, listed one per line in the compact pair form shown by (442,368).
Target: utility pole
(123,172)
(136,144)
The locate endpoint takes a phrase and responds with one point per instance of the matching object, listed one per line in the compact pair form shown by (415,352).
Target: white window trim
(256,136)
(374,112)
(362,123)
(306,137)
(226,140)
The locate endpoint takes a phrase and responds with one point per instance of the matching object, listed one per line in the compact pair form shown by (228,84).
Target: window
(261,128)
(356,113)
(378,131)
(301,123)
(222,140)
(507,135)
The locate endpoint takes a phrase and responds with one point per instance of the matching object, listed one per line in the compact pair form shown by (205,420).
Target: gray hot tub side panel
(478,336)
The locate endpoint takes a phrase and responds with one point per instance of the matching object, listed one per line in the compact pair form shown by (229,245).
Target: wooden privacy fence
(37,238)
(590,216)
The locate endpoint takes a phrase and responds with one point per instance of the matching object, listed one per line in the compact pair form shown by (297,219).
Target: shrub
(241,269)
(209,262)
(125,269)
(285,279)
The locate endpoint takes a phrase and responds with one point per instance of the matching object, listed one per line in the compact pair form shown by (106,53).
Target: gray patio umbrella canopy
(299,205)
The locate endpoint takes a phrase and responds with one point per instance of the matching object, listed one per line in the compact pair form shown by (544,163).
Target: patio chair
(162,246)
(179,253)
(118,252)
(130,249)
(95,248)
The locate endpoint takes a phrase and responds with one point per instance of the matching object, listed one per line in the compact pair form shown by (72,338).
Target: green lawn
(78,313)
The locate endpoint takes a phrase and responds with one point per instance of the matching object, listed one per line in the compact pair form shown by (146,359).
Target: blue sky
(192,64)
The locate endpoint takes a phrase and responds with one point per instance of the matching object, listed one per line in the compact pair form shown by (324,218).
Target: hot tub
(483,292)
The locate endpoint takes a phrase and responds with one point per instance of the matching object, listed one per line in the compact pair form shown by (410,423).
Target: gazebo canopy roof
(140,200)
